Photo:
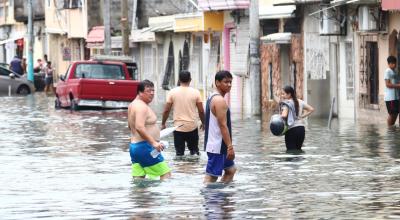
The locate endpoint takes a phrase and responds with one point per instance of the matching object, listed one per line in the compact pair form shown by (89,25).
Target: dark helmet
(277,125)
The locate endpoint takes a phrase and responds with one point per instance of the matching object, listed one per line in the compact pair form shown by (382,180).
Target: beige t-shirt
(184,101)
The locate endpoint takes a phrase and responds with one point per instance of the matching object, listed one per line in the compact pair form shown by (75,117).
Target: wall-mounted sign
(66,54)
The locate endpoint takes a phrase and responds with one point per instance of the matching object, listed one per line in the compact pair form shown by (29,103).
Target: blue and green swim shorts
(143,164)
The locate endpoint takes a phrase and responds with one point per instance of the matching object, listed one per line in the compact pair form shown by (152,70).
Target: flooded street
(60,164)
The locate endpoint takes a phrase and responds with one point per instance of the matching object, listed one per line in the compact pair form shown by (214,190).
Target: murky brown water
(76,165)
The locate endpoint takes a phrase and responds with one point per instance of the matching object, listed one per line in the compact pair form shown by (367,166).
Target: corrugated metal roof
(96,35)
(207,5)
(275,12)
(294,2)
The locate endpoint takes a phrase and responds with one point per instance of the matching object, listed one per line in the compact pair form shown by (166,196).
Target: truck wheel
(23,90)
(57,103)
(74,105)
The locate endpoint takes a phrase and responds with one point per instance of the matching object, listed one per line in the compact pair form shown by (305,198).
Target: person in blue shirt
(392,90)
(16,65)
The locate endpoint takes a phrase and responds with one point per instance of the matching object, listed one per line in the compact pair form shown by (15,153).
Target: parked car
(96,84)
(5,65)
(17,83)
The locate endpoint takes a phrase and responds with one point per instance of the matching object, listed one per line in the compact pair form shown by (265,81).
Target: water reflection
(75,165)
(218,203)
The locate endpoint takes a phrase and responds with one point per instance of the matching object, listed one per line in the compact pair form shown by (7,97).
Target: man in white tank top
(218,133)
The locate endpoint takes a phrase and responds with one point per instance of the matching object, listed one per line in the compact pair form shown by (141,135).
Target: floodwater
(58,164)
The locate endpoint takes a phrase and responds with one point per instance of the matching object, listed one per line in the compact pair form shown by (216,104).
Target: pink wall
(390,5)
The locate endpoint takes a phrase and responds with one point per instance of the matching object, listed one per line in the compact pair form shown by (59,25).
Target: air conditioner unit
(332,21)
(368,19)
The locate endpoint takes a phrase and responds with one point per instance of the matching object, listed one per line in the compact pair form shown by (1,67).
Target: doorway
(372,71)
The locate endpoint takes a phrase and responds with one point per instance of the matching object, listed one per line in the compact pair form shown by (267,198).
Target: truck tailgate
(107,89)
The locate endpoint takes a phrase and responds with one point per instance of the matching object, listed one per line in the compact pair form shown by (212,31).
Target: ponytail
(290,90)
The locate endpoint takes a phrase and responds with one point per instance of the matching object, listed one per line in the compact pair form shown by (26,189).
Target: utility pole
(124,27)
(30,41)
(107,27)
(255,79)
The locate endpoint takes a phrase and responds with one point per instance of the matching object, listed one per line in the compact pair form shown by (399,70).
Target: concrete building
(282,52)
(13,29)
(66,30)
(378,37)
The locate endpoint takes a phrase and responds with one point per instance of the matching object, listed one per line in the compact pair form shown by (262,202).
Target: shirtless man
(145,136)
(218,132)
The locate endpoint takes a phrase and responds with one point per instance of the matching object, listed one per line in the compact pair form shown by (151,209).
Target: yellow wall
(189,24)
(214,21)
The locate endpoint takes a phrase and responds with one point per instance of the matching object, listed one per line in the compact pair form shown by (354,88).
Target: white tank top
(213,137)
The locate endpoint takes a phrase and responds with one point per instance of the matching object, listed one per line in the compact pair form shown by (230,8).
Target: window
(99,71)
(349,72)
(67,4)
(116,52)
(372,71)
(271,90)
(4,72)
(160,50)
(133,70)
(2,10)
(68,72)
(169,68)
(196,58)
(293,78)
(292,25)
(270,26)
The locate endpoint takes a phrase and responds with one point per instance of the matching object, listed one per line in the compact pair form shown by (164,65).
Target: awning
(143,35)
(214,5)
(96,35)
(390,5)
(277,38)
(156,24)
(162,23)
(269,11)
(358,2)
(294,2)
(12,39)
(191,22)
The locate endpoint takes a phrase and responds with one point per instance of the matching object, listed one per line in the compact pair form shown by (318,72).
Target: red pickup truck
(104,84)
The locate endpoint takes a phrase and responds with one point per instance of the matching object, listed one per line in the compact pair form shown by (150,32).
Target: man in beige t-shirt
(188,107)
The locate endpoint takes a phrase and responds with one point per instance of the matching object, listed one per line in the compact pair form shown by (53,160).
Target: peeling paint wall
(269,54)
(297,56)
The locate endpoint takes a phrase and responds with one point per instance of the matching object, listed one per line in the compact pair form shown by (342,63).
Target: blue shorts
(217,163)
(140,153)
